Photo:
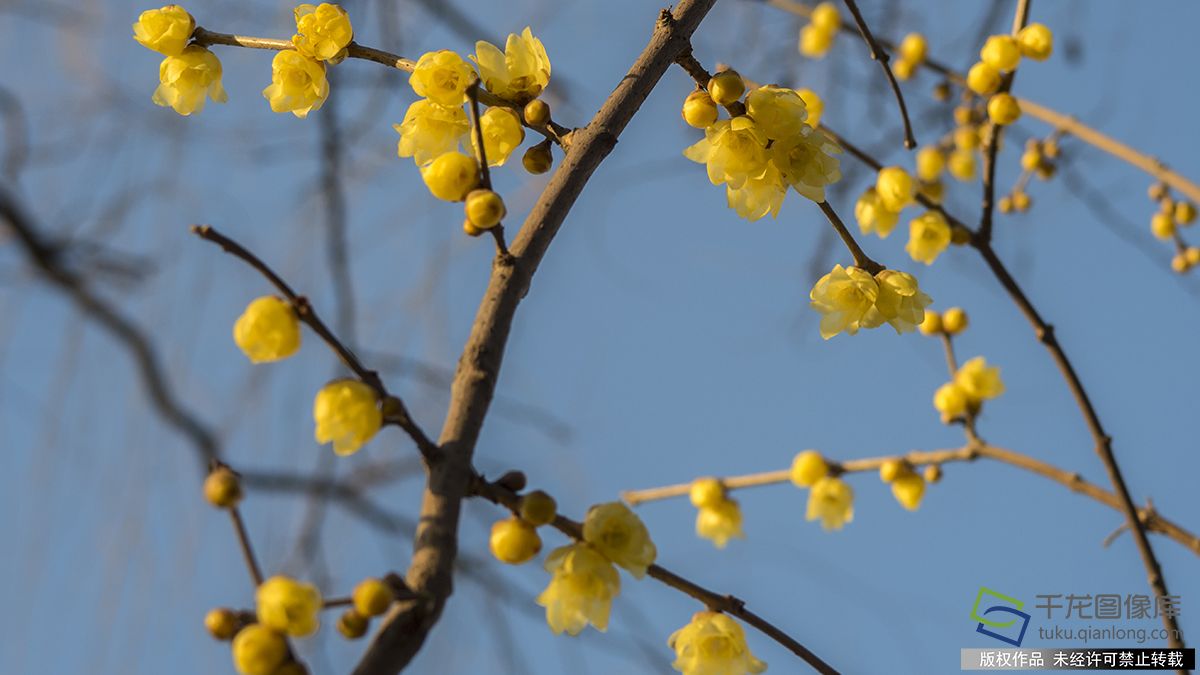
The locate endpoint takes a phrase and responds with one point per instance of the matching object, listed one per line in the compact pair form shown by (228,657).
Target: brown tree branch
(995,135)
(881,57)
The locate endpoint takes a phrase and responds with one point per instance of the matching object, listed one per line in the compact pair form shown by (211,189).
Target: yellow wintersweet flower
(726,86)
(620,535)
(815,41)
(928,236)
(502,133)
(733,150)
(896,189)
(719,522)
(983,78)
(813,104)
(914,48)
(185,79)
(900,301)
(930,163)
(961,164)
(778,111)
(908,488)
(451,177)
(713,644)
(581,589)
(268,330)
(517,74)
(808,467)
(843,297)
(288,606)
(430,130)
(951,401)
(165,30)
(322,32)
(826,17)
(979,380)
(1001,52)
(258,650)
(1036,41)
(347,414)
(832,501)
(1003,109)
(443,77)
(699,110)
(873,216)
(706,492)
(298,84)
(807,161)
(514,541)
(758,196)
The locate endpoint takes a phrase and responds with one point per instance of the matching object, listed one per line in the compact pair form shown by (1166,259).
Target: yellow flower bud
(1185,212)
(581,589)
(1001,52)
(930,163)
(706,492)
(484,209)
(726,87)
(222,488)
(502,133)
(699,111)
(258,650)
(619,535)
(966,137)
(166,30)
(928,236)
(1179,263)
(538,158)
(719,522)
(537,113)
(347,414)
(951,401)
(814,105)
(713,644)
(442,77)
(983,78)
(451,177)
(961,164)
(519,73)
(1003,109)
(891,469)
(186,78)
(932,325)
(978,380)
(1005,204)
(322,32)
(470,229)
(825,16)
(537,508)
(1036,41)
(1162,226)
(903,69)
(1192,254)
(268,330)
(832,501)
(514,541)
(815,41)
(896,189)
(1031,159)
(372,597)
(914,48)
(1021,201)
(352,625)
(298,84)
(933,473)
(954,321)
(288,606)
(808,467)
(221,623)
(964,115)
(908,489)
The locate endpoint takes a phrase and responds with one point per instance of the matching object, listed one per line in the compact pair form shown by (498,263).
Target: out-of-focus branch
(994,135)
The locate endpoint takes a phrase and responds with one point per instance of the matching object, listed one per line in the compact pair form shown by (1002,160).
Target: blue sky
(663,337)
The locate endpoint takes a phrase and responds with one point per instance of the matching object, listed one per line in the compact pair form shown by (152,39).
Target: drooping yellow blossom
(928,236)
(258,650)
(930,163)
(720,521)
(185,79)
(873,216)
(844,297)
(617,533)
(514,541)
(896,189)
(808,467)
(430,130)
(807,162)
(832,501)
(813,104)
(778,111)
(951,401)
(1036,41)
(713,644)
(517,74)
(1001,52)
(502,133)
(322,32)
(288,606)
(726,86)
(758,196)
(699,110)
(914,48)
(908,488)
(733,150)
(826,17)
(536,113)
(298,84)
(961,164)
(347,414)
(581,589)
(815,41)
(900,302)
(268,330)
(451,177)
(706,492)
(1003,109)
(979,380)
(372,597)
(165,30)
(352,625)
(442,77)
(983,78)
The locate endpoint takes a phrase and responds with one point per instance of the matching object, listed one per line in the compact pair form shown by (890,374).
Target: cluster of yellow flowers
(830,499)
(908,486)
(962,398)
(913,51)
(1165,224)
(346,411)
(878,207)
(719,517)
(769,144)
(849,298)
(1000,55)
(189,73)
(954,154)
(817,36)
(1039,159)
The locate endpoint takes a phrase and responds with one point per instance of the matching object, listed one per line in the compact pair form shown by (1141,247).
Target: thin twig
(243,537)
(995,135)
(861,259)
(485,174)
(881,56)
